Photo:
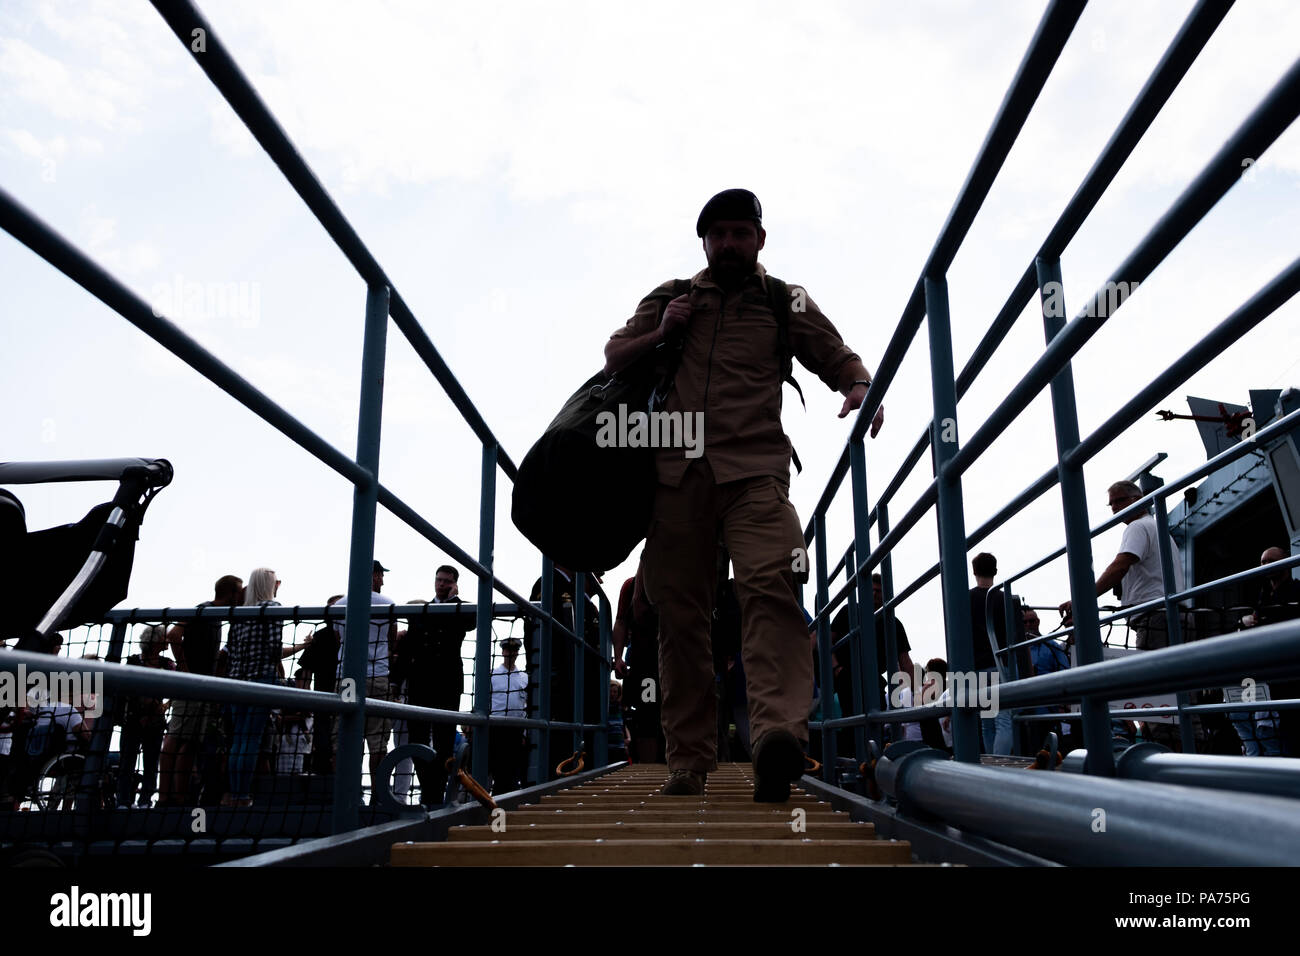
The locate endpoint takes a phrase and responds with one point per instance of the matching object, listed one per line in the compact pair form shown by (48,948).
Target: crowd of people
(186,749)
(189,750)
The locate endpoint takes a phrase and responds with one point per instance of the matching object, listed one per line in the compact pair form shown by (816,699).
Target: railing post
(825,677)
(952,521)
(889,625)
(602,735)
(1173,620)
(579,652)
(1078,535)
(483,646)
(356,632)
(856,658)
(868,651)
(544,651)
(1011,611)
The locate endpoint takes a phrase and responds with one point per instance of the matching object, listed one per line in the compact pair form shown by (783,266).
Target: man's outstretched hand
(854,401)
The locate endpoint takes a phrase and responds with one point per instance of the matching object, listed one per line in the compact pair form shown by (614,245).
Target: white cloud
(45,81)
(33,147)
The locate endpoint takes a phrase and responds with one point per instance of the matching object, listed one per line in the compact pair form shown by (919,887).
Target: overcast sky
(525,173)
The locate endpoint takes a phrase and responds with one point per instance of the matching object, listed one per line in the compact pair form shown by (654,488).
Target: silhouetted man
(733,363)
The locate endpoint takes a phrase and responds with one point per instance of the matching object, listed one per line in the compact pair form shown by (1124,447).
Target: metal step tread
(621,819)
(677,830)
(806,852)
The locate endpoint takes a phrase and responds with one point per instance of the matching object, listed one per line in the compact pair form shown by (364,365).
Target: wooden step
(621,819)
(654,853)
(684,803)
(653,815)
(677,830)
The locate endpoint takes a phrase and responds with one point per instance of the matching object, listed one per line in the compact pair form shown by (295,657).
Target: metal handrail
(1275,112)
(383,302)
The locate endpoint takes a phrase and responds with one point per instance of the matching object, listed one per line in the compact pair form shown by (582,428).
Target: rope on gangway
(578,760)
(470,784)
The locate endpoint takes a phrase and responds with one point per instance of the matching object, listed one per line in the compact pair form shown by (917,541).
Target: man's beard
(731,271)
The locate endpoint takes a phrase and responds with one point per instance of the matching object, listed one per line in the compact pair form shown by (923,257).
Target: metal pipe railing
(1268,121)
(1092,821)
(1178,58)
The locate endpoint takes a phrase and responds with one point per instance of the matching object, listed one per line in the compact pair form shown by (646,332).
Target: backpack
(588,506)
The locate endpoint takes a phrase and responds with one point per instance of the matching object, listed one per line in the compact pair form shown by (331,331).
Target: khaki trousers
(760,529)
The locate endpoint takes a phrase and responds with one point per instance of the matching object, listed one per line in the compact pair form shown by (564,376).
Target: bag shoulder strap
(779,296)
(668,292)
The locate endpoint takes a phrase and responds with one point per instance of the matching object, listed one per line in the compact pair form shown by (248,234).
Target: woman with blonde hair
(255,649)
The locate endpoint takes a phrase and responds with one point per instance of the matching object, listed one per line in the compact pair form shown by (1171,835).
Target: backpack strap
(779,295)
(668,355)
(679,287)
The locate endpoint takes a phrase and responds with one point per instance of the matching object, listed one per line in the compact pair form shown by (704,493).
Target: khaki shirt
(731,371)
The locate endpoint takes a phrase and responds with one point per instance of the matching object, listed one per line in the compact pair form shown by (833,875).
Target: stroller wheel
(56,785)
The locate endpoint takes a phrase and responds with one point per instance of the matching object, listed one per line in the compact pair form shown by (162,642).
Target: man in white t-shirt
(1136,569)
(377,728)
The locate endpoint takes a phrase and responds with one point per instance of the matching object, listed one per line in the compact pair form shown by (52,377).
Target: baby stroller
(70,575)
(63,577)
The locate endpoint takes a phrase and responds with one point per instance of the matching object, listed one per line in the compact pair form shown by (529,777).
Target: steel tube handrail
(1264,653)
(1173,66)
(1273,430)
(1145,823)
(1268,121)
(1172,710)
(1279,776)
(1044,49)
(55,249)
(142,680)
(183,17)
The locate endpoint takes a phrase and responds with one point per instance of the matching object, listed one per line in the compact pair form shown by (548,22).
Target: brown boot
(684,783)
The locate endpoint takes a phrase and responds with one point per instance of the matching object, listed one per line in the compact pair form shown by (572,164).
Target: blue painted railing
(383,302)
(952,454)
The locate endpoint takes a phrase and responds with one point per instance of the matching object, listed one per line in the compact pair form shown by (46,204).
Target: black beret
(729,204)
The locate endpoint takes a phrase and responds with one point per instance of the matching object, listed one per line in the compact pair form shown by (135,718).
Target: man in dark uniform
(731,372)
(435,677)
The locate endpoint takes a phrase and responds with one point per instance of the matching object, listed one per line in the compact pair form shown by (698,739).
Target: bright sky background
(525,173)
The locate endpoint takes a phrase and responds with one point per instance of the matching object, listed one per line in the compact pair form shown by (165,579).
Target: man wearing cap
(509,699)
(377,728)
(731,370)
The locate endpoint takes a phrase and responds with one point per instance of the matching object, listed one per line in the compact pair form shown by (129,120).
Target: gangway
(620,819)
(927,806)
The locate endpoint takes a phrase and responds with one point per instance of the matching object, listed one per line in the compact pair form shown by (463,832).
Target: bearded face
(731,247)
